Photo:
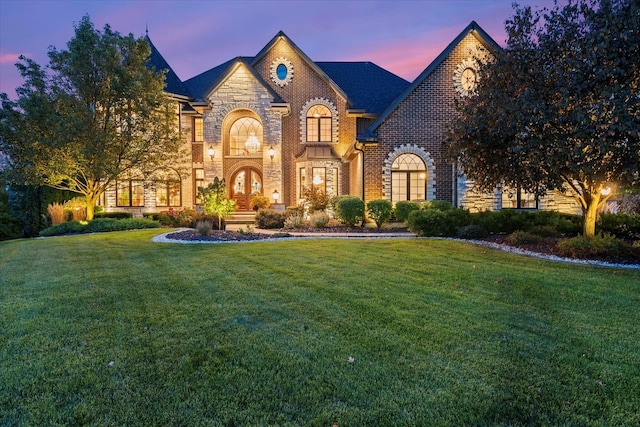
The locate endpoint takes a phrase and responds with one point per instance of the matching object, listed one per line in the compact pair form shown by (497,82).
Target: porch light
(252,145)
(605,191)
(211,152)
(272,152)
(317,180)
(276,196)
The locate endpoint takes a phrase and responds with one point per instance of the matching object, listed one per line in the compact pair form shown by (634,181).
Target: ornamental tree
(95,113)
(215,201)
(559,107)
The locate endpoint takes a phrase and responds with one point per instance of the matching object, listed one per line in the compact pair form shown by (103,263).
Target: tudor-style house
(278,122)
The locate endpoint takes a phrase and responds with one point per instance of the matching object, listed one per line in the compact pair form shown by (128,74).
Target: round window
(281,71)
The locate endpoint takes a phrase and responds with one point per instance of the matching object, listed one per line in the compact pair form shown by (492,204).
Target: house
(278,122)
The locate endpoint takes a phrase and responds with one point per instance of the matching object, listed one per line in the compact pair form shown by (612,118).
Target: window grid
(130,193)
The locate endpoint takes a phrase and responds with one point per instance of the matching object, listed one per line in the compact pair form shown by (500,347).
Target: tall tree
(559,107)
(96,113)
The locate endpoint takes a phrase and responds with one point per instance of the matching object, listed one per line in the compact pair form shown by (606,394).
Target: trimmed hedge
(623,226)
(99,225)
(116,215)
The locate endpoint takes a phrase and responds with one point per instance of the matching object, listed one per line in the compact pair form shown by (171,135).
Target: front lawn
(113,329)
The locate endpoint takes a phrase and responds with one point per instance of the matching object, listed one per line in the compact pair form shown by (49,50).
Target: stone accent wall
(243,95)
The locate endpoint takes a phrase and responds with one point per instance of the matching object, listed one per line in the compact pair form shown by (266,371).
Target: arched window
(245,137)
(319,124)
(408,178)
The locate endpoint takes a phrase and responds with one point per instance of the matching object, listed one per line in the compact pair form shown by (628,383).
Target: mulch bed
(546,247)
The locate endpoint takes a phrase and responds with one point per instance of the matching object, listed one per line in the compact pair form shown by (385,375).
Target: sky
(402,36)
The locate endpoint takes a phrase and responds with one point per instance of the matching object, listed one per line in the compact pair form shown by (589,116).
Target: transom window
(408,178)
(319,124)
(245,137)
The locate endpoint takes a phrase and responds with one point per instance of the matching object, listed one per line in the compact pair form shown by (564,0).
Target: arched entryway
(245,182)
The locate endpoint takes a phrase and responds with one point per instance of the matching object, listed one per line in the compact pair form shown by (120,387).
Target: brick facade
(413,123)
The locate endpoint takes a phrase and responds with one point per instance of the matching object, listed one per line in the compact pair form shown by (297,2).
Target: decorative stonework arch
(334,118)
(408,149)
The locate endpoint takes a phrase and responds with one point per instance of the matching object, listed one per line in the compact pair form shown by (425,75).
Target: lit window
(318,124)
(319,179)
(130,193)
(168,186)
(303,181)
(245,137)
(408,178)
(198,182)
(198,129)
(517,198)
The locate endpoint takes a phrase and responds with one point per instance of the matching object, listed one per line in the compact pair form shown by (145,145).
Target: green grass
(112,329)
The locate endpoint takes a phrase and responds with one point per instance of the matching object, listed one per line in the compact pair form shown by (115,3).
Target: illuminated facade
(278,122)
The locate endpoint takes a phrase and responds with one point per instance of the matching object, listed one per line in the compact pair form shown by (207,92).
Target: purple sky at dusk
(196,35)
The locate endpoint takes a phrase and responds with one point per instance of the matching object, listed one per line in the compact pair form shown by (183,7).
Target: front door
(246,182)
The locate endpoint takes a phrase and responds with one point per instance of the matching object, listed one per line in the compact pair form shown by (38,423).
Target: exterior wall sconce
(211,152)
(272,152)
(276,196)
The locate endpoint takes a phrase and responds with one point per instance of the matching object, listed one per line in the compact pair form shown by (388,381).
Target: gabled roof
(202,85)
(173,84)
(370,87)
(472,28)
(308,61)
(199,84)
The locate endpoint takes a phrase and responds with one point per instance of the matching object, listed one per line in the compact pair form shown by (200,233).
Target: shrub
(440,205)
(380,211)
(404,207)
(77,208)
(270,219)
(111,224)
(319,219)
(622,226)
(602,245)
(471,231)
(315,199)
(177,218)
(437,222)
(294,220)
(124,215)
(523,238)
(258,201)
(56,213)
(63,228)
(349,210)
(212,219)
(204,226)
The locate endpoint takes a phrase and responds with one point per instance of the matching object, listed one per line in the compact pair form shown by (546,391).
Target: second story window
(198,129)
(318,124)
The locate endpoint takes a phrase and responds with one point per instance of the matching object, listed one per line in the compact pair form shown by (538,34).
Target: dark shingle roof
(369,87)
(173,84)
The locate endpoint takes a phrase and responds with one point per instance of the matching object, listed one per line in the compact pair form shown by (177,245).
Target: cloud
(9,58)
